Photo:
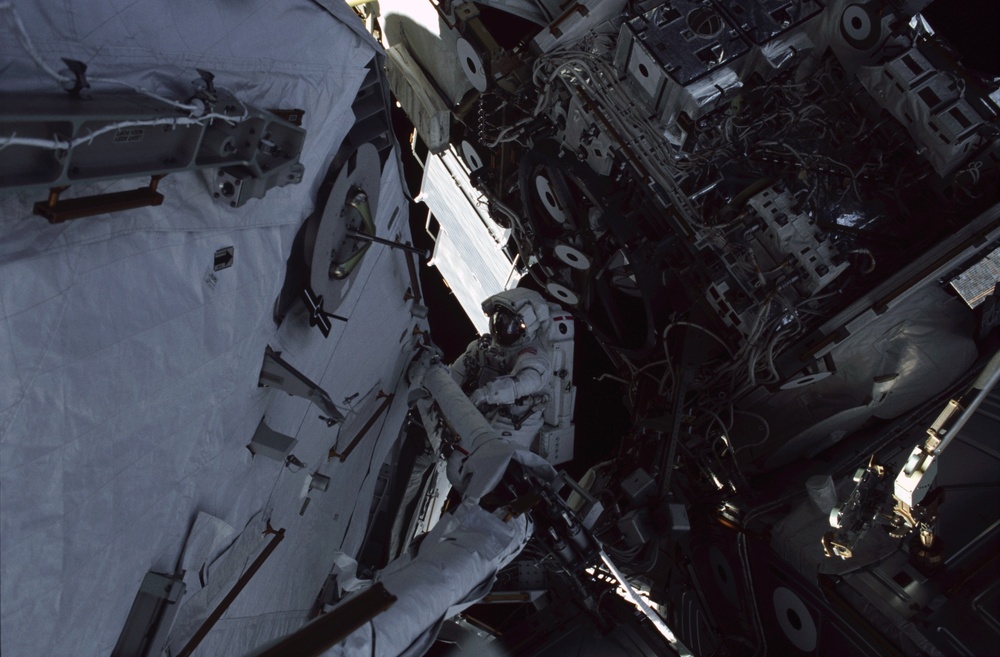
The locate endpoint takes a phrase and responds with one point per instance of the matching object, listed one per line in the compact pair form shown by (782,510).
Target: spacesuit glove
(478,397)
(420,364)
(437,355)
(501,390)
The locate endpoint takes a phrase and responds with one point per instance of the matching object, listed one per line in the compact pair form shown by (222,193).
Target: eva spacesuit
(521,375)
(506,372)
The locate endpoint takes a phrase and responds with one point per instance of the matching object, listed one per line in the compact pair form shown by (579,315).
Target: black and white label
(128,135)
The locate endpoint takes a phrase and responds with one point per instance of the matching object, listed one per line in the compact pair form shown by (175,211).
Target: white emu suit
(521,374)
(507,372)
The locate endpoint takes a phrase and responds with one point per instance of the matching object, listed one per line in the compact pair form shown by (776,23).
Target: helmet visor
(506,327)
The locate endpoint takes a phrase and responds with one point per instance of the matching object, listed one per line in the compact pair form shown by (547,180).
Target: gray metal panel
(688,39)
(112,136)
(762,20)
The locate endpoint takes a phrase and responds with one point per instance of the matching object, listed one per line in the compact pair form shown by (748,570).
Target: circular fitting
(564,294)
(471,156)
(704,22)
(860,27)
(803,381)
(572,257)
(472,64)
(548,198)
(794,619)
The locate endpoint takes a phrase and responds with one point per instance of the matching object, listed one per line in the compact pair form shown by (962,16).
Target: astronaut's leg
(521,434)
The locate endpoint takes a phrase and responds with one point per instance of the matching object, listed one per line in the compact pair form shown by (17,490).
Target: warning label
(128,135)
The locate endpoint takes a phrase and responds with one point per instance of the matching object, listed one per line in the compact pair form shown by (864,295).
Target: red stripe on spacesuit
(527,350)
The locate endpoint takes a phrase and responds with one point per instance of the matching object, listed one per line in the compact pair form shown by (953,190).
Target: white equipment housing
(556,438)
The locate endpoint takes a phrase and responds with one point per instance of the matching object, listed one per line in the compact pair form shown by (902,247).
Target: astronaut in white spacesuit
(507,371)
(513,386)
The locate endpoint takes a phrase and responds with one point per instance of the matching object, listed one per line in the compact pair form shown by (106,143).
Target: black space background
(971,26)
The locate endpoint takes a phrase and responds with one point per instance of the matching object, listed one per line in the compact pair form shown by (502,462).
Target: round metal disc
(548,199)
(723,573)
(563,294)
(572,257)
(472,64)
(471,156)
(859,27)
(803,381)
(363,171)
(795,620)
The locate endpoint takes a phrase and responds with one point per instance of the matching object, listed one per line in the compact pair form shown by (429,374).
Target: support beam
(206,627)
(276,373)
(387,399)
(329,629)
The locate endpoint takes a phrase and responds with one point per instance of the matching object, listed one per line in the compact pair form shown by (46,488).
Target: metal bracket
(317,315)
(206,82)
(270,443)
(277,535)
(318,636)
(130,134)
(276,373)
(79,71)
(58,211)
(387,400)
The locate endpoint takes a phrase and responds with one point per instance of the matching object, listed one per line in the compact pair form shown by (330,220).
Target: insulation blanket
(916,350)
(200,601)
(454,567)
(129,364)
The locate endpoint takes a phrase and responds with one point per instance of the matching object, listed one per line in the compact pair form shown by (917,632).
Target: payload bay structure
(775,217)
(131,343)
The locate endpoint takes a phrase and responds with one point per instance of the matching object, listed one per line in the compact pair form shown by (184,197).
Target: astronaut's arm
(530,374)
(460,368)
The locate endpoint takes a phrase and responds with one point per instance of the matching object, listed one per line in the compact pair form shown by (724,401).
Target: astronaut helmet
(515,316)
